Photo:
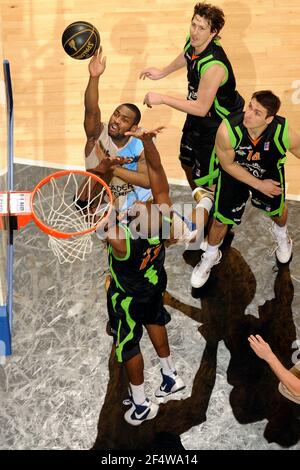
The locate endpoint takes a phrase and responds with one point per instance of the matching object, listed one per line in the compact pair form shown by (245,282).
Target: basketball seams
(82,47)
(78,33)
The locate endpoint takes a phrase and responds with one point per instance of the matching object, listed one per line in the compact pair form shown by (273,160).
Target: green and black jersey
(265,156)
(140,273)
(227,99)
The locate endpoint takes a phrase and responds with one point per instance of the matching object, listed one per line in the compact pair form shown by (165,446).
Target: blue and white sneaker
(137,414)
(170,384)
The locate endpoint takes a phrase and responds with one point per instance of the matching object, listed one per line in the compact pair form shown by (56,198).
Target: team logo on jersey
(267,146)
(254,168)
(248,147)
(120,189)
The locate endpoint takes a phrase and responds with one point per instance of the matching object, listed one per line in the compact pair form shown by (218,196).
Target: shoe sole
(170,393)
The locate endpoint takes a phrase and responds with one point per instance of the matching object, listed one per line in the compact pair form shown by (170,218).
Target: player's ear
(134,128)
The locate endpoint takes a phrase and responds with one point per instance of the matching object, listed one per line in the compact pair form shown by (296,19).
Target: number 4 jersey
(265,156)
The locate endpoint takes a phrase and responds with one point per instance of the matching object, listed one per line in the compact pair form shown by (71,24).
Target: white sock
(138,393)
(280,231)
(212,250)
(167,365)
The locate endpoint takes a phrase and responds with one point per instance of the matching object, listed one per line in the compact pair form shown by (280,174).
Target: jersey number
(150,255)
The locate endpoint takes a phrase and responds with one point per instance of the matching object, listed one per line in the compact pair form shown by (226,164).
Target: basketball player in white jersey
(128,181)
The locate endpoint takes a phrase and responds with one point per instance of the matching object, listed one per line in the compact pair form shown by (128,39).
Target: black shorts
(231,197)
(127,315)
(197,149)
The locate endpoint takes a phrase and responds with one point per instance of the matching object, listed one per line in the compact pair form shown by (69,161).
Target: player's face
(256,116)
(200,33)
(121,121)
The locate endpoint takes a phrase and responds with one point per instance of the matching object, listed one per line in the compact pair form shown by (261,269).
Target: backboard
(6,184)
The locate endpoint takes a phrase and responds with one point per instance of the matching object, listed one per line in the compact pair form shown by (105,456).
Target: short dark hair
(135,110)
(268,100)
(213,15)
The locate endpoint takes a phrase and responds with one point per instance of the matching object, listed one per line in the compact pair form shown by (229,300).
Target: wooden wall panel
(261,38)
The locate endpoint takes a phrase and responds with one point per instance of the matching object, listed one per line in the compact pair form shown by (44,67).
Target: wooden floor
(261,38)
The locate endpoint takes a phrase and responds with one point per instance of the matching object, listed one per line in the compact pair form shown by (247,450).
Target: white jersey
(125,193)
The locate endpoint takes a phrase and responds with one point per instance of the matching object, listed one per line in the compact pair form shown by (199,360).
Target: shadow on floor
(254,396)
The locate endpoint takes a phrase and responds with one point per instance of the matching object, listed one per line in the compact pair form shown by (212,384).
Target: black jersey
(265,156)
(141,272)
(227,99)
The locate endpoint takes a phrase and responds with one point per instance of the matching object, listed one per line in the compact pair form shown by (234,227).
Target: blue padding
(5,338)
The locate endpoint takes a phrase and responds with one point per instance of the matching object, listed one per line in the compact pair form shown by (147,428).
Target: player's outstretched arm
(157,176)
(154,73)
(207,90)
(92,113)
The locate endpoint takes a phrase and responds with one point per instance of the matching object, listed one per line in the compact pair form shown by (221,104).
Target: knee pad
(204,198)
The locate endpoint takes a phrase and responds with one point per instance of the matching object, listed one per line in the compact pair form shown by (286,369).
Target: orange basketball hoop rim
(52,204)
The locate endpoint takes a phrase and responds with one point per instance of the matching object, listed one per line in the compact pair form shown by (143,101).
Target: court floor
(62,389)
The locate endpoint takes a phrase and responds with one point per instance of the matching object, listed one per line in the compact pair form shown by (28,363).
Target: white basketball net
(71,204)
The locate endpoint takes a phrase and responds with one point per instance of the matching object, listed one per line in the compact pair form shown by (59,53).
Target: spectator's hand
(152,73)
(260,347)
(145,135)
(269,187)
(97,64)
(152,99)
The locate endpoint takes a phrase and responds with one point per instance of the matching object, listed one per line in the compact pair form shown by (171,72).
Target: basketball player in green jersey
(211,95)
(135,295)
(251,147)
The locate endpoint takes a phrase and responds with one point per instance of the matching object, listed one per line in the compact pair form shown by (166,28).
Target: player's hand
(269,187)
(97,64)
(260,347)
(152,73)
(107,163)
(152,99)
(145,135)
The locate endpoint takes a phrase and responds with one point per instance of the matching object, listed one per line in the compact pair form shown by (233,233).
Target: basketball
(80,40)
